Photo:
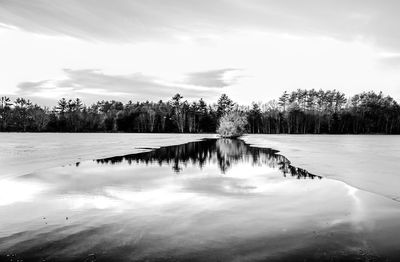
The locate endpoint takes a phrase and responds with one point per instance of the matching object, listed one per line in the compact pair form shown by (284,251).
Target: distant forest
(298,112)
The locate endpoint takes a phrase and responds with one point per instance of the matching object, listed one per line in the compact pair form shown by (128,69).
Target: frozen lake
(368,162)
(105,197)
(22,153)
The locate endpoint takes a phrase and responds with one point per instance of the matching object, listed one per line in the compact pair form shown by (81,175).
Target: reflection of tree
(226,152)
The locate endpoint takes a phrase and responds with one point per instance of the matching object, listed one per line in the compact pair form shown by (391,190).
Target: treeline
(298,112)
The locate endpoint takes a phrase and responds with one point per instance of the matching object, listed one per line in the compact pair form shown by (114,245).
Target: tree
(40,118)
(224,105)
(283,100)
(179,114)
(232,124)
(255,118)
(62,105)
(21,114)
(5,108)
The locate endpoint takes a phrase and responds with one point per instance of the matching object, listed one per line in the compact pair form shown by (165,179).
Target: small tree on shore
(232,124)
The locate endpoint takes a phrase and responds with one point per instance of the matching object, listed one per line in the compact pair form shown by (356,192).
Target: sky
(252,50)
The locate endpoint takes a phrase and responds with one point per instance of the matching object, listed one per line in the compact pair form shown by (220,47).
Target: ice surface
(22,153)
(215,200)
(367,162)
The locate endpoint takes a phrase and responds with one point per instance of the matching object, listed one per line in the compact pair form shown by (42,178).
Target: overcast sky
(252,50)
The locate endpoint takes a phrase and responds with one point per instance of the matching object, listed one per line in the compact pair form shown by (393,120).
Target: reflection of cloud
(12,192)
(94,83)
(122,198)
(81,202)
(357,213)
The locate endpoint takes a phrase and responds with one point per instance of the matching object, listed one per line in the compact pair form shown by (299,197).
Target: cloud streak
(213,78)
(135,20)
(94,84)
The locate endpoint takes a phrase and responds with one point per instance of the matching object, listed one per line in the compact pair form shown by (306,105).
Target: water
(216,199)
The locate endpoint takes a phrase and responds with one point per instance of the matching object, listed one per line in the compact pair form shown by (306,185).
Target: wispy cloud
(136,20)
(390,61)
(94,84)
(213,78)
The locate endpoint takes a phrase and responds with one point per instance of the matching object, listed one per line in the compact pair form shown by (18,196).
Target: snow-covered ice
(22,153)
(367,162)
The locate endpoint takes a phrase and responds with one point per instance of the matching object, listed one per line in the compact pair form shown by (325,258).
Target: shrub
(232,124)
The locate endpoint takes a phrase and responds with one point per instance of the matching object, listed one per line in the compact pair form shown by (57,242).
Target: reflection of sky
(14,191)
(123,187)
(358,211)
(188,209)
